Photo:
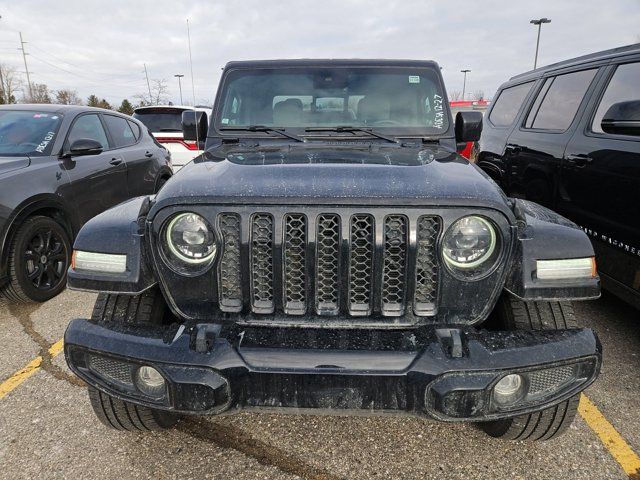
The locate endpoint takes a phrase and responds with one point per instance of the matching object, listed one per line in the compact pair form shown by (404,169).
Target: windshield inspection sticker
(414,79)
(438,122)
(43,144)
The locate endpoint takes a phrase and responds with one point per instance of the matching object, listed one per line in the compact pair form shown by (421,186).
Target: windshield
(161,119)
(403,101)
(25,132)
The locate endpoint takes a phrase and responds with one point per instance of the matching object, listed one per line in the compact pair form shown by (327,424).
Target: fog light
(150,382)
(509,389)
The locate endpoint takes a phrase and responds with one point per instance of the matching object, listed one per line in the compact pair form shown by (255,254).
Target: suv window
(558,101)
(135,129)
(508,104)
(88,127)
(120,131)
(624,86)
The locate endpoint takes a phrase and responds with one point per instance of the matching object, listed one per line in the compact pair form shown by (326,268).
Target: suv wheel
(549,423)
(39,256)
(148,308)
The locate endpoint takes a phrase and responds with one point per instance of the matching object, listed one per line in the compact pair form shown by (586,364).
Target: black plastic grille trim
(327,264)
(426,279)
(394,269)
(229,285)
(262,263)
(362,231)
(294,257)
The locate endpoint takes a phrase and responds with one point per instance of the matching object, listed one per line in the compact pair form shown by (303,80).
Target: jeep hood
(329,174)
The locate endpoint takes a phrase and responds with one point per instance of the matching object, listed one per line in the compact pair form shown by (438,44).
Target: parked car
(330,250)
(164,121)
(568,137)
(60,166)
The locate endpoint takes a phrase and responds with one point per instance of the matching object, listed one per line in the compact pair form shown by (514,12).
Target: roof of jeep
(312,62)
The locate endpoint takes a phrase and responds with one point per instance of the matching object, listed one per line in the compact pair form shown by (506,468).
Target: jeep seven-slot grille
(329,264)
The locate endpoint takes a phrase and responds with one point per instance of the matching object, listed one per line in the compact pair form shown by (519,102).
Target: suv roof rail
(602,55)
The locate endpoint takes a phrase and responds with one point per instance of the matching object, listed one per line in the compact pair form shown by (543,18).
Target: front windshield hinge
(430,140)
(226,140)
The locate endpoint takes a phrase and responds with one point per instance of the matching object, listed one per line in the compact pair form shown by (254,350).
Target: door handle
(148,154)
(115,161)
(578,161)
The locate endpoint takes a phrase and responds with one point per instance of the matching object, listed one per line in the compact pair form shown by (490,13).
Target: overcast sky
(100,47)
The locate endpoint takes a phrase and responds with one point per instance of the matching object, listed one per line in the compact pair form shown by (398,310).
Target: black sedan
(61,165)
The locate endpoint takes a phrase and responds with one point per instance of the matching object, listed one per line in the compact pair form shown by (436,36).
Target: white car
(165,123)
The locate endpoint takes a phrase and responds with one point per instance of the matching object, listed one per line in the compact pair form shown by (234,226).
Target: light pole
(539,23)
(464,84)
(179,76)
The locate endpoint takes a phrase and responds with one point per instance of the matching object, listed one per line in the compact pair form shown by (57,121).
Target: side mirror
(468,126)
(194,125)
(85,146)
(622,118)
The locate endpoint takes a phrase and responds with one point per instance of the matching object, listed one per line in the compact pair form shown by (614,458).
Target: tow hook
(451,341)
(206,334)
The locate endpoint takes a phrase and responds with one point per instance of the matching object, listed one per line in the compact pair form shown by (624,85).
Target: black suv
(330,250)
(568,137)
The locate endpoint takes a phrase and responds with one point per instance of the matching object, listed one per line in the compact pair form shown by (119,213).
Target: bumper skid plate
(443,373)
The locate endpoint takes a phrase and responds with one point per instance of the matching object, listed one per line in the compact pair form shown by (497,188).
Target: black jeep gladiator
(331,252)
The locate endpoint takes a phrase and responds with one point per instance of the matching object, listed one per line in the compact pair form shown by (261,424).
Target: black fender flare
(119,230)
(546,235)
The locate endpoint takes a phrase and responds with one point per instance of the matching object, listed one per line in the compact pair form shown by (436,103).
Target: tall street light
(179,76)
(539,23)
(464,84)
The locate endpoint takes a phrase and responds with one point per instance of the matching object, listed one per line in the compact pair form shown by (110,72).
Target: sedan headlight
(469,243)
(190,239)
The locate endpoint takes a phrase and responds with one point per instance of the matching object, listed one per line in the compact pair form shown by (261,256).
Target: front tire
(39,256)
(148,308)
(513,314)
(122,415)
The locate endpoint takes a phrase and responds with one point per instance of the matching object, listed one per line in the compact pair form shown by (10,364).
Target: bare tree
(9,84)
(68,97)
(39,94)
(158,93)
(455,95)
(478,95)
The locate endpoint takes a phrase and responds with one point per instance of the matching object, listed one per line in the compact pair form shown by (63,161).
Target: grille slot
(295,272)
(328,264)
(229,286)
(426,280)
(394,268)
(262,263)
(361,264)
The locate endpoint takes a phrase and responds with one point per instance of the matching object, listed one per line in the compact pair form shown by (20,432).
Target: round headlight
(469,242)
(190,238)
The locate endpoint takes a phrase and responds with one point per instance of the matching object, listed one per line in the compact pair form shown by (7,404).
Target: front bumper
(443,373)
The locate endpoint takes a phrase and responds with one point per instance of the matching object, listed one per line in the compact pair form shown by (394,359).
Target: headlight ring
(189,241)
(469,244)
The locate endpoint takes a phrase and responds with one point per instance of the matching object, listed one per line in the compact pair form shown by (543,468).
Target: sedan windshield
(315,100)
(27,132)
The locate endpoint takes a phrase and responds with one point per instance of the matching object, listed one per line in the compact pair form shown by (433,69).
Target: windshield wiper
(351,129)
(265,129)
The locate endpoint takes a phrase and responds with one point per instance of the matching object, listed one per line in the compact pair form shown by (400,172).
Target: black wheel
(148,308)
(122,415)
(38,259)
(513,314)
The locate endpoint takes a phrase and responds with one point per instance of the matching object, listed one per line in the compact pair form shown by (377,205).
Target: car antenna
(193,88)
